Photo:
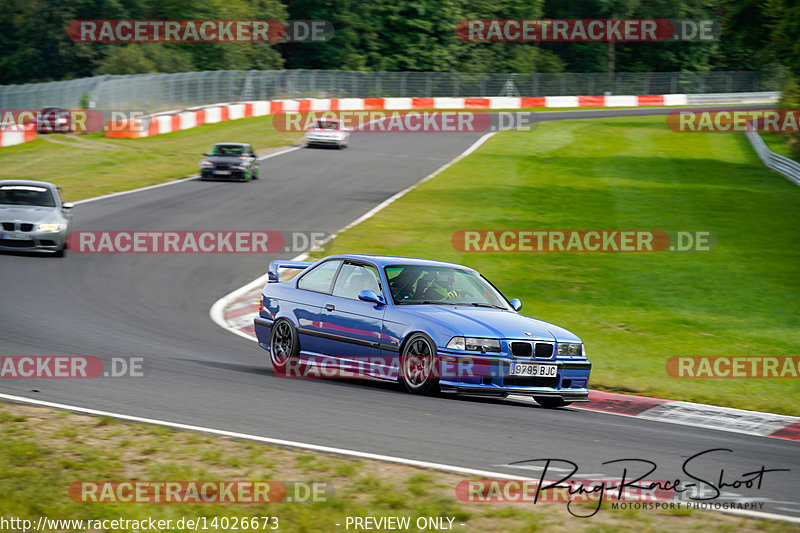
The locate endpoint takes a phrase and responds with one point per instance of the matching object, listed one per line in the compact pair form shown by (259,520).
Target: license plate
(222,172)
(529,369)
(16,236)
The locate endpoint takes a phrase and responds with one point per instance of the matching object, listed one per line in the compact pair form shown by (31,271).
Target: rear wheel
(551,402)
(284,345)
(419,369)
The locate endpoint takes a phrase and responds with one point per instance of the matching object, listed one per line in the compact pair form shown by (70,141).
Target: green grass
(122,164)
(38,463)
(633,310)
(777,143)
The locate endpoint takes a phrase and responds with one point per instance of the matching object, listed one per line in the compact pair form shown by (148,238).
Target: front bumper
(39,241)
(490,376)
(324,141)
(213,174)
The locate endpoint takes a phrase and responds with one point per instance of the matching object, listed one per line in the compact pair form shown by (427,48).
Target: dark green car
(230,161)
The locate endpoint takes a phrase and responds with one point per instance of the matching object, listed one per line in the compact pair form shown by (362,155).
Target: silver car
(33,217)
(328,132)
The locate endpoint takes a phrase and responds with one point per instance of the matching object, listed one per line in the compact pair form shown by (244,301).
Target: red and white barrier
(17,134)
(189,118)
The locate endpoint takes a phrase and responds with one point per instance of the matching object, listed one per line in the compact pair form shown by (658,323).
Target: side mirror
(370,296)
(516,304)
(67,205)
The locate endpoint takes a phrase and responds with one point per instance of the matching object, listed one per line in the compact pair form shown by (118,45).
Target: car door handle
(329,307)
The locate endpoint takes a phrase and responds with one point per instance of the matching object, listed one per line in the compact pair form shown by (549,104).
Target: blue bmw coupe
(433,326)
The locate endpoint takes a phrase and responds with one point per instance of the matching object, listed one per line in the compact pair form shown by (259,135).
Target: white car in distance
(328,132)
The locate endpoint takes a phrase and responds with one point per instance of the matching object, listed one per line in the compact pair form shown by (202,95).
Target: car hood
(30,213)
(491,323)
(230,160)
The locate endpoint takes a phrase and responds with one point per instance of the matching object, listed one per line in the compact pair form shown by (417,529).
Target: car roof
(391,260)
(232,144)
(32,183)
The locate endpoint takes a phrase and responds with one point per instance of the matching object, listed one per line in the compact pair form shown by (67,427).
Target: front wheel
(551,402)
(419,369)
(284,345)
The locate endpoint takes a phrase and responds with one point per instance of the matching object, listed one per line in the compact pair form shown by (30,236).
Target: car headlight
(241,166)
(473,344)
(50,227)
(206,164)
(570,349)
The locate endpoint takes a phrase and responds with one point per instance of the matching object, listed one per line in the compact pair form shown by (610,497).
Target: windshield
(233,151)
(26,195)
(418,284)
(327,125)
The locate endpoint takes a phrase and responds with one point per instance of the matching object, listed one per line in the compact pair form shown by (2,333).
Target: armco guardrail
(733,98)
(783,165)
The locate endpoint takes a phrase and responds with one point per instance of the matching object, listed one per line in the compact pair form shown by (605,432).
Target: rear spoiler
(272,273)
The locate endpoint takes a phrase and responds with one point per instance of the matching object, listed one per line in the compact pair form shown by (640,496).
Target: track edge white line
(335,451)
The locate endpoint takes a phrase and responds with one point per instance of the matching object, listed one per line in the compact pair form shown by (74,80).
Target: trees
(35,45)
(393,35)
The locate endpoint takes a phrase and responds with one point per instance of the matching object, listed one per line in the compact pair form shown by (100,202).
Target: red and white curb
(160,123)
(17,134)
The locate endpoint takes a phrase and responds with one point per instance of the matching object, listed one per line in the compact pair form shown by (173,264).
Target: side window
(320,278)
(353,279)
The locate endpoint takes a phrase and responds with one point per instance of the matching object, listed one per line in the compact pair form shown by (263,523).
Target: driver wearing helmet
(439,286)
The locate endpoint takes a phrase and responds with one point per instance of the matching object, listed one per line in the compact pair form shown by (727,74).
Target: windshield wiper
(484,304)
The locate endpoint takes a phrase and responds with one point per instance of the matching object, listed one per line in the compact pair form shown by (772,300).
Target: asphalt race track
(157,307)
